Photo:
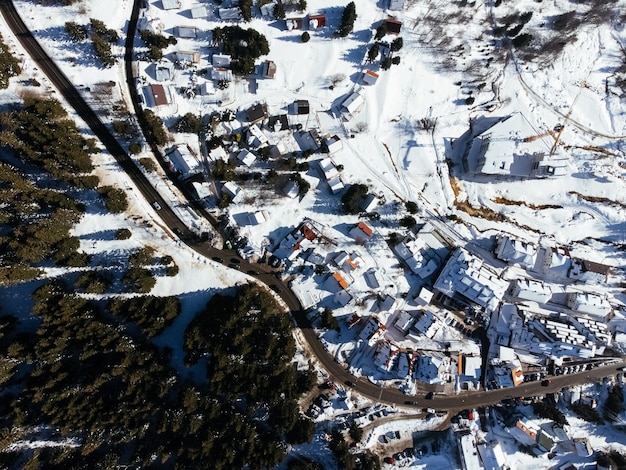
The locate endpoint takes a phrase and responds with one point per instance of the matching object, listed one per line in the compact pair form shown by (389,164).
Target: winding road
(336,371)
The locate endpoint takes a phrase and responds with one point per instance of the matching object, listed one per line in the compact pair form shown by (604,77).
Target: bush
(246,9)
(347,20)
(329,321)
(172,271)
(372,54)
(115,199)
(103,50)
(408,221)
(396,44)
(350,200)
(412,207)
(148,164)
(243,45)
(470,100)
(395,60)
(123,234)
(155,130)
(305,37)
(522,40)
(76,32)
(189,123)
(381,31)
(135,148)
(386,63)
(279,11)
(139,280)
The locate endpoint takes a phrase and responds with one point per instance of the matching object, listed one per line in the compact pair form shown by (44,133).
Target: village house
(218,153)
(278,123)
(232,191)
(352,104)
(291,189)
(156,95)
(170,4)
(183,161)
(164,71)
(317,21)
(268,69)
(301,107)
(230,14)
(293,23)
(221,60)
(361,232)
(369,77)
(333,144)
(199,11)
(257,113)
(515,252)
(246,157)
(372,331)
(393,25)
(187,57)
(186,32)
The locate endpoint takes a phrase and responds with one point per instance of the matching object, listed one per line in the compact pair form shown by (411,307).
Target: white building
(232,190)
(199,11)
(246,157)
(221,60)
(353,103)
(530,289)
(184,161)
(467,276)
(591,304)
(170,4)
(515,252)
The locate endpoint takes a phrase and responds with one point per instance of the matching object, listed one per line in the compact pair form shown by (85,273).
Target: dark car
(235,260)
(546,382)
(275,288)
(253,273)
(429,396)
(234,266)
(349,383)
(412,403)
(217,259)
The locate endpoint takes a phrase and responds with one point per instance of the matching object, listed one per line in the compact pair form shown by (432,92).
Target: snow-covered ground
(384,144)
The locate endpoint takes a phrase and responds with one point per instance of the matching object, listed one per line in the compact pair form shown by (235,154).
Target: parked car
(156,205)
(546,382)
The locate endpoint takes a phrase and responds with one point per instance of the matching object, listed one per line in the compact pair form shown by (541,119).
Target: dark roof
(278,123)
(393,25)
(256,112)
(596,267)
(302,106)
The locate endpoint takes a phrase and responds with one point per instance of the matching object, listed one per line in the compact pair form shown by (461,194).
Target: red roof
(158,92)
(321,20)
(339,278)
(365,229)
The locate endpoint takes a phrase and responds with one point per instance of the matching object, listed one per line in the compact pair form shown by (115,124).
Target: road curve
(169,217)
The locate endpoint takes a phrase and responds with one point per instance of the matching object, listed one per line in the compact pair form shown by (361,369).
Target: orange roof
(373,74)
(339,278)
(308,233)
(517,375)
(529,432)
(366,230)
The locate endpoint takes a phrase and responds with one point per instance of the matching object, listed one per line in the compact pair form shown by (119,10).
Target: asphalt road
(265,275)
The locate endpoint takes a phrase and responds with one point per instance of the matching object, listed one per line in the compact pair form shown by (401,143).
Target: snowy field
(384,144)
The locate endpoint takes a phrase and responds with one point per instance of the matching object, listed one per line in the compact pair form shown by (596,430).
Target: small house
(361,232)
(164,71)
(291,189)
(301,106)
(255,137)
(257,113)
(293,23)
(278,123)
(232,191)
(221,74)
(256,218)
(218,153)
(221,60)
(369,77)
(328,168)
(170,4)
(199,11)
(184,161)
(206,89)
(159,95)
(317,21)
(230,14)
(246,157)
(188,56)
(186,32)
(368,203)
(268,69)
(335,184)
(352,103)
(396,5)
(393,26)
(333,144)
